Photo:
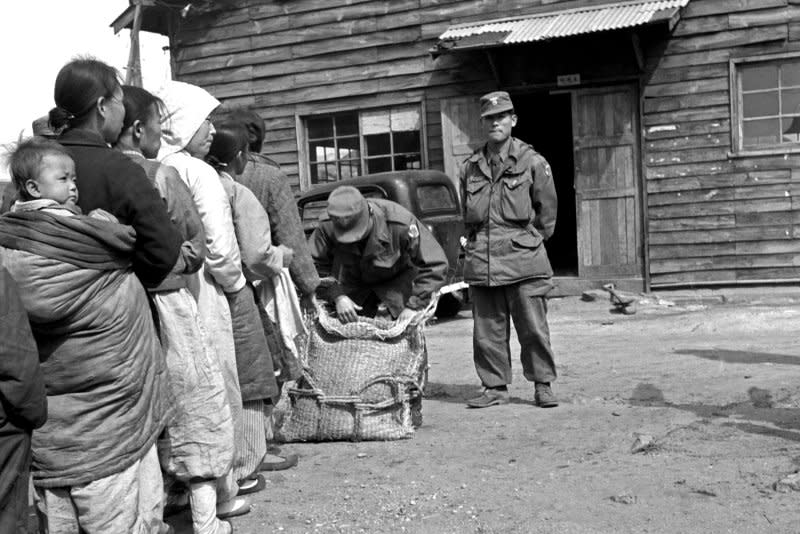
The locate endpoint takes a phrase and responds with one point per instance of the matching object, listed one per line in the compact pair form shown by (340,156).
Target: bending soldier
(378,253)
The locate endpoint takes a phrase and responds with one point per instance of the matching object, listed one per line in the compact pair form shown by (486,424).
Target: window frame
(737,121)
(305,113)
(337,138)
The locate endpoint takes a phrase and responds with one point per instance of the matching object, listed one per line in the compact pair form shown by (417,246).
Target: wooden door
(605,139)
(461,132)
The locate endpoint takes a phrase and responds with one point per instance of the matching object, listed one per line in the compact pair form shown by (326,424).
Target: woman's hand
(288,255)
(309,303)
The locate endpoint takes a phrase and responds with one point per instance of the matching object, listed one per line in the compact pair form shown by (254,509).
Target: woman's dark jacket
(109,180)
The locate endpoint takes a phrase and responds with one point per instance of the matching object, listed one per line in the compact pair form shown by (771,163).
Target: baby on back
(44,175)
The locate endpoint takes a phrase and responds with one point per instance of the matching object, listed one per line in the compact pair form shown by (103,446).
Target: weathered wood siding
(714,217)
(286,58)
(710,217)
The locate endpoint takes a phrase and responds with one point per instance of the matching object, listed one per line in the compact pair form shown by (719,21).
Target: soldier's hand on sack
(288,255)
(347,309)
(406,315)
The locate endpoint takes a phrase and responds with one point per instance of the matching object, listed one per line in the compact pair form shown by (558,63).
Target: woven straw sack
(359,381)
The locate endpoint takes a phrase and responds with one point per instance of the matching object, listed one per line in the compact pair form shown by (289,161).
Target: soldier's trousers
(493,309)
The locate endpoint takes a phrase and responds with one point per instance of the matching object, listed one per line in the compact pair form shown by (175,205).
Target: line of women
(200,378)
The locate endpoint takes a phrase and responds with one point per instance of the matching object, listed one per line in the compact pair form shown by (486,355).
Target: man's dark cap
(349,214)
(495,102)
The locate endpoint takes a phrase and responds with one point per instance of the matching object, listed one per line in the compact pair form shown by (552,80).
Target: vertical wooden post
(133,76)
(171,31)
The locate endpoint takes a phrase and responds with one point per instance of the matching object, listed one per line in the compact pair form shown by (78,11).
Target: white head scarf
(187,107)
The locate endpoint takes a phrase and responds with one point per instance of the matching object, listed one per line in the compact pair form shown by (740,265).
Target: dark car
(430,195)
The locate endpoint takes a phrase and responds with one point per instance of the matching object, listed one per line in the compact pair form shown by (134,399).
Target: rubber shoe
(251,485)
(233,508)
(544,397)
(283,461)
(489,397)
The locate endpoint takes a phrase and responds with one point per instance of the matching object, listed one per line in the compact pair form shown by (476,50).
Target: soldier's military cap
(349,214)
(495,102)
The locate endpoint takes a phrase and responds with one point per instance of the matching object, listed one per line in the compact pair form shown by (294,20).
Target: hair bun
(60,117)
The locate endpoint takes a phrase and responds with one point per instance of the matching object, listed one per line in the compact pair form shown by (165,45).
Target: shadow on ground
(782,423)
(457,393)
(741,356)
(460,393)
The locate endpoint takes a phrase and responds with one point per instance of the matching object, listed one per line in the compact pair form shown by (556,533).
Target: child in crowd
(197,446)
(44,177)
(95,466)
(260,261)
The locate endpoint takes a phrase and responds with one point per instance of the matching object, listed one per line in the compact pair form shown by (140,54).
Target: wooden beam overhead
(493,66)
(637,51)
(126,18)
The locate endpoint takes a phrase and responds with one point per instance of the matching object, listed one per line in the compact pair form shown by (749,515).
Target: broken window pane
(375,122)
(405,119)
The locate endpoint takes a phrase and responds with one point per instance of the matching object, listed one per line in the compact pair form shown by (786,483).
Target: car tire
(449,305)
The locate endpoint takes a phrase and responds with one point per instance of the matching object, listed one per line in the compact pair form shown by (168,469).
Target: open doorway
(545,122)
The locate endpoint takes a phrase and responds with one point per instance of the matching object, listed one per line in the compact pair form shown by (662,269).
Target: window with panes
(766,106)
(349,144)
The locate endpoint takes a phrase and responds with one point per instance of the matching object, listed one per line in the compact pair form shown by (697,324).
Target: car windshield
(435,197)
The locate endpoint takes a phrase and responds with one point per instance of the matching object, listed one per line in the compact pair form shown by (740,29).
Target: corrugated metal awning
(558,23)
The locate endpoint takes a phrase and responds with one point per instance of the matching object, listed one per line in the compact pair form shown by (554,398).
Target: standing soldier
(378,252)
(509,210)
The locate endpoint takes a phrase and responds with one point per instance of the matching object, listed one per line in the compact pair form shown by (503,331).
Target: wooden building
(672,126)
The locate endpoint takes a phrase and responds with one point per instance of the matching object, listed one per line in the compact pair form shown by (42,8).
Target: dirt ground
(716,387)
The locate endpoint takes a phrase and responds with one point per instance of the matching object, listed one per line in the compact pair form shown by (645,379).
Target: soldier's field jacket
(399,251)
(507,219)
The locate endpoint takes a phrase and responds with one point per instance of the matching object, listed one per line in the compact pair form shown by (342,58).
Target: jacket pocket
(387,260)
(476,202)
(527,240)
(515,201)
